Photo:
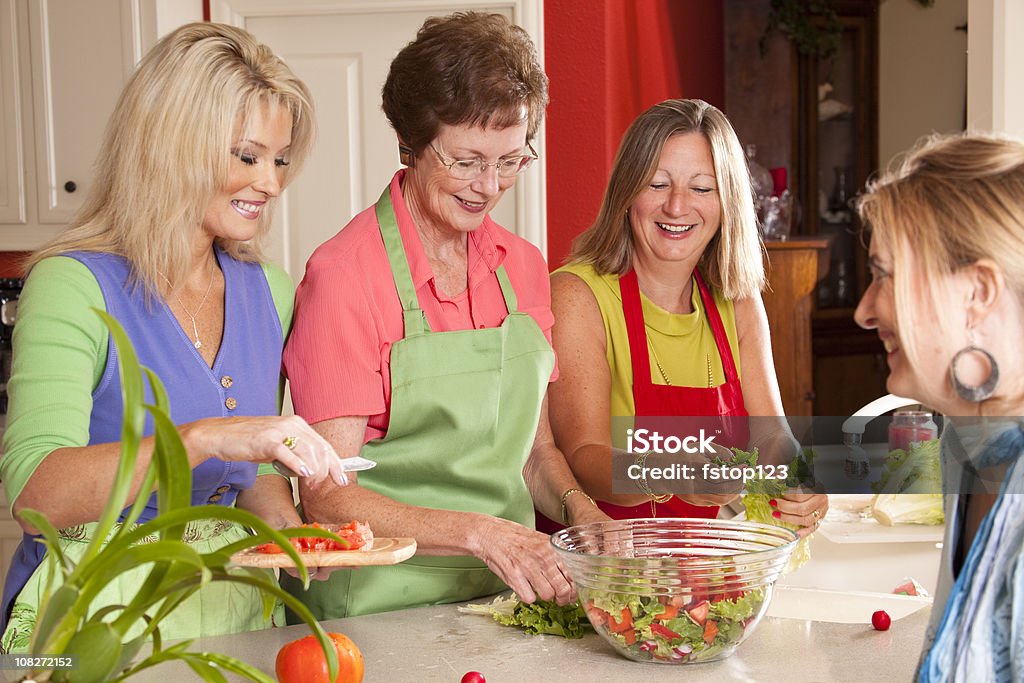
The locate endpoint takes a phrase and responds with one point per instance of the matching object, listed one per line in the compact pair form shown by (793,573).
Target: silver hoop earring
(980,392)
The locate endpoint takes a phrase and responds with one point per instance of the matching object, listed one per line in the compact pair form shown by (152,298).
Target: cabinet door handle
(70,186)
(810,396)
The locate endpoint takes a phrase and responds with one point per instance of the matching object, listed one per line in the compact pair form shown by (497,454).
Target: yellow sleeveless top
(682,342)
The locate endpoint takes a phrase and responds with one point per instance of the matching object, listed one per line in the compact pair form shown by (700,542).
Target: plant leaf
(130,650)
(175,484)
(206,670)
(56,623)
(300,610)
(162,575)
(50,534)
(128,557)
(233,665)
(268,585)
(262,532)
(98,648)
(131,434)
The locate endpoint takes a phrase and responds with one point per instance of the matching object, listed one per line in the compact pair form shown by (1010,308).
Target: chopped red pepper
(659,630)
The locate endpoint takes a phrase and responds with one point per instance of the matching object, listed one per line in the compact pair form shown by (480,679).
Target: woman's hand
(806,510)
(289,440)
(524,559)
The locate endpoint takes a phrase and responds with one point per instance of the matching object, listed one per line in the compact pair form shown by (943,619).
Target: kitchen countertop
(441,644)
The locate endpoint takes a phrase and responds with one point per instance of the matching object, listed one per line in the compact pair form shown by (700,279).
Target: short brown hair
(466,68)
(732,261)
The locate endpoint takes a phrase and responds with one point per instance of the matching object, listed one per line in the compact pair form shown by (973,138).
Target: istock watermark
(648,441)
(836,454)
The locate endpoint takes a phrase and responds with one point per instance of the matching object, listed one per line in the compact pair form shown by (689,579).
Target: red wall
(608,60)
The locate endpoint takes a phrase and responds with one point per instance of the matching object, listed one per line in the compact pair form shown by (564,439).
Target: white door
(342,50)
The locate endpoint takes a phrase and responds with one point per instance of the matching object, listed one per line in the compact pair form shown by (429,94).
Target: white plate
(840,607)
(848,521)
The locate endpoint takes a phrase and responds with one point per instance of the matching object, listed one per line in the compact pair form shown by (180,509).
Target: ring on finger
(289,442)
(816,514)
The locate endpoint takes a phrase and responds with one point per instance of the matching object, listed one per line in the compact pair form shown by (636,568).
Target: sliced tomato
(671,611)
(710,631)
(269,548)
(597,615)
(620,626)
(699,612)
(630,636)
(354,535)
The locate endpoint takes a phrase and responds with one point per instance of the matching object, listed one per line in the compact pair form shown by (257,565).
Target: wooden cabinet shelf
(794,267)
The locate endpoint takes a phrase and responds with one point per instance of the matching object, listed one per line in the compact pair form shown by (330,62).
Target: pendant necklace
(191,316)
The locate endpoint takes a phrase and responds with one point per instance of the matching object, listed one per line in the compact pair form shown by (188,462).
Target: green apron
(464,412)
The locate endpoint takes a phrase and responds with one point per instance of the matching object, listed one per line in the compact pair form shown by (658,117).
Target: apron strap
(633,312)
(412,315)
(511,302)
(717,329)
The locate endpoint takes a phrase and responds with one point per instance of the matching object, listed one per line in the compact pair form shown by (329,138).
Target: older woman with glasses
(422,340)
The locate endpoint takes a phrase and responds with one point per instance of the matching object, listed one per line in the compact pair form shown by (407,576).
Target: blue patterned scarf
(980,637)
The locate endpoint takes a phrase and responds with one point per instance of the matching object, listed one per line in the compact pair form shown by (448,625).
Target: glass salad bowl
(675,591)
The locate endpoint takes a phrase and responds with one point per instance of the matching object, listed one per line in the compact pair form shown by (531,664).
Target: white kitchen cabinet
(62,65)
(342,50)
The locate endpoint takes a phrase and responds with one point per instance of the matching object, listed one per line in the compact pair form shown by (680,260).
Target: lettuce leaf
(543,616)
(760,491)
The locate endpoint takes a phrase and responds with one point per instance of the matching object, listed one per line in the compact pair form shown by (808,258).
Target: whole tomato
(303,661)
(881,620)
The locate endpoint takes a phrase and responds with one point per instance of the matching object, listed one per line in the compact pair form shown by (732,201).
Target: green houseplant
(105,638)
(813,26)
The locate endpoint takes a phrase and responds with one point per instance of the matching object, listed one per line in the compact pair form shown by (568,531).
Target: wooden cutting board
(384,551)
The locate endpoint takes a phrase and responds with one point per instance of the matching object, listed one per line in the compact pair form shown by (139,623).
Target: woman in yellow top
(660,309)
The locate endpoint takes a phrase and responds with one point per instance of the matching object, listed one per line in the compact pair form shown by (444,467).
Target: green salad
(694,625)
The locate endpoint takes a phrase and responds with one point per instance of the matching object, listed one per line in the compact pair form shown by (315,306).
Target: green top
(52,383)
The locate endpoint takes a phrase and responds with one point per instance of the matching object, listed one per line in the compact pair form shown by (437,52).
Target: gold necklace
(191,316)
(661,370)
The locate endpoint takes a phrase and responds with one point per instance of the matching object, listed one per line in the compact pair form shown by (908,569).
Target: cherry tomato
(303,661)
(473,677)
(881,620)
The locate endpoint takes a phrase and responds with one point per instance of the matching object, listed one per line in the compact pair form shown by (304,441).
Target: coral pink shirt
(347,311)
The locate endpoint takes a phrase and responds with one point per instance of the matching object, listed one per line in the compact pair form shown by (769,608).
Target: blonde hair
(167,148)
(950,202)
(733,260)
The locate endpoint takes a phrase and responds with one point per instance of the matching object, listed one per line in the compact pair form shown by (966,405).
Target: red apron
(661,400)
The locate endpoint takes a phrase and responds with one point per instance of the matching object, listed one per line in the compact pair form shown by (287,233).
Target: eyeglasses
(470,169)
